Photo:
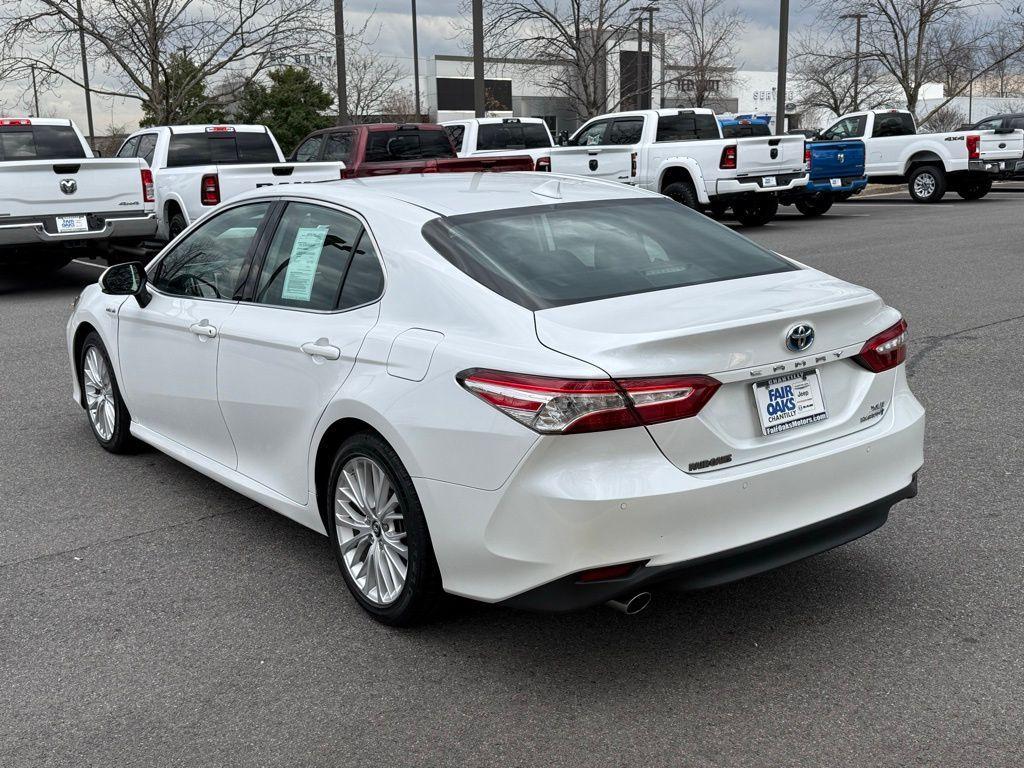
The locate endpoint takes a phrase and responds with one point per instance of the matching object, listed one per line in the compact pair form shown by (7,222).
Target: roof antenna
(552,189)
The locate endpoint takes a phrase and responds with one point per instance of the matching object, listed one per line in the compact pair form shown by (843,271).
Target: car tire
(975,190)
(683,192)
(756,211)
(927,184)
(107,413)
(376,536)
(176,225)
(814,205)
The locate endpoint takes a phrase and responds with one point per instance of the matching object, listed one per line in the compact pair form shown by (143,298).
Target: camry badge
(799,338)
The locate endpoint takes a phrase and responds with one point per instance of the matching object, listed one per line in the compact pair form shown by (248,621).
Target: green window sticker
(302,264)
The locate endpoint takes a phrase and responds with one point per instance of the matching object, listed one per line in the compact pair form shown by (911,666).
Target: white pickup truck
(504,136)
(197,167)
(57,200)
(928,163)
(681,153)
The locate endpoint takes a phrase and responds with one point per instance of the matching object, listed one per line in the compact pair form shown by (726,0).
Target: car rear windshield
(409,144)
(744,130)
(687,126)
(222,148)
(512,136)
(552,255)
(40,142)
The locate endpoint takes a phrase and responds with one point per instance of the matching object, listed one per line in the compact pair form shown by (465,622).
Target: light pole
(35,90)
(479,98)
(644,74)
(339,58)
(416,63)
(780,95)
(856,59)
(85,72)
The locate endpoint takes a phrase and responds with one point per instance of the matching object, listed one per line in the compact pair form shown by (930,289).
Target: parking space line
(88,264)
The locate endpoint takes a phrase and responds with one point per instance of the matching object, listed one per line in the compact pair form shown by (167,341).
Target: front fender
(99,311)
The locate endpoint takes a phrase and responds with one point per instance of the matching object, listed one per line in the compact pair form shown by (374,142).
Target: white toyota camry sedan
(527,389)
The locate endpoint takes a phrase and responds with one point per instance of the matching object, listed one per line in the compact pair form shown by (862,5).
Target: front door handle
(321,348)
(203,328)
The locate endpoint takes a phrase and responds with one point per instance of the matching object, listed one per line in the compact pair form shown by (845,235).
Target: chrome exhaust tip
(632,605)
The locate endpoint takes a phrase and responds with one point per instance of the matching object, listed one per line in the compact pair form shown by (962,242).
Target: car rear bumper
(42,230)
(746,184)
(994,167)
(849,184)
(589,501)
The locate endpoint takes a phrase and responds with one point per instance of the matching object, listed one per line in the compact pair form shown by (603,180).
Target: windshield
(552,255)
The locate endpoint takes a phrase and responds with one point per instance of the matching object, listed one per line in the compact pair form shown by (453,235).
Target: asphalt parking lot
(149,616)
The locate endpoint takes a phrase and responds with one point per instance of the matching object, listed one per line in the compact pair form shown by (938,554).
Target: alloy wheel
(370,530)
(99,394)
(924,185)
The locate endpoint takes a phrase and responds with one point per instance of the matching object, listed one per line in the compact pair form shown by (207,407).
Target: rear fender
(692,167)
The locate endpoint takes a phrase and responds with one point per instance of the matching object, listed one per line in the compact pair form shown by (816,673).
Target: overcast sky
(437,21)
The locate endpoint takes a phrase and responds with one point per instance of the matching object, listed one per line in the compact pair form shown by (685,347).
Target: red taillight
(886,350)
(728,161)
(147,186)
(209,189)
(570,406)
(974,147)
(543,164)
(632,164)
(15,121)
(431,167)
(348,173)
(807,156)
(220,129)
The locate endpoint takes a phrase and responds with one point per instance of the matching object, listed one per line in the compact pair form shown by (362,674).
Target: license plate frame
(72,224)
(769,181)
(797,400)
(836,183)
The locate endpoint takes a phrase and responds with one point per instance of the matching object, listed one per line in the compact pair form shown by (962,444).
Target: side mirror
(126,280)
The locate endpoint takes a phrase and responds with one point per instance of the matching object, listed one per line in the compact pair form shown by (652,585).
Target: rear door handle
(321,348)
(203,328)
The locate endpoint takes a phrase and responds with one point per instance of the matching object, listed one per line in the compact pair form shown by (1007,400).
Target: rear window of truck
(409,144)
(512,136)
(745,130)
(552,255)
(687,126)
(188,149)
(40,142)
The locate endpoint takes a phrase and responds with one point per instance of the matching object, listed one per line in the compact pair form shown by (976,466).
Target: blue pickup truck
(837,172)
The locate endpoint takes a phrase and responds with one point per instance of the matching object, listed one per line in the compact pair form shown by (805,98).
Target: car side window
(592,135)
(309,149)
(364,281)
(626,131)
(1017,123)
(308,258)
(209,262)
(456,133)
(890,125)
(147,147)
(849,128)
(128,148)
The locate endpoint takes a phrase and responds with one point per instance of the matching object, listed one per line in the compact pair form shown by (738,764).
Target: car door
(574,158)
(602,149)
(287,349)
(168,349)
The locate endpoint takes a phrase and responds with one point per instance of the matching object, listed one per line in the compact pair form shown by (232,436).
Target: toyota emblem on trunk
(68,186)
(799,338)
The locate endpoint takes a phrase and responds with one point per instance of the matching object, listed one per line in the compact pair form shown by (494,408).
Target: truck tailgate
(1002,146)
(761,155)
(236,179)
(836,159)
(83,185)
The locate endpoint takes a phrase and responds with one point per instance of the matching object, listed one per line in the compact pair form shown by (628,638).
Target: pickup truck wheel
(682,192)
(814,205)
(757,211)
(927,184)
(176,225)
(975,190)
(718,209)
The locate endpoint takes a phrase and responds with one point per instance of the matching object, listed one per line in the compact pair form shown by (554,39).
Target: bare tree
(823,76)
(704,43)
(1001,51)
(572,38)
(133,42)
(947,118)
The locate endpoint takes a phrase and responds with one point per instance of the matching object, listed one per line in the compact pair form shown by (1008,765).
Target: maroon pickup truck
(384,149)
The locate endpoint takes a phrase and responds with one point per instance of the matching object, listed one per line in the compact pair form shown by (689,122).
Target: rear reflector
(886,350)
(570,406)
(609,572)
(728,161)
(209,190)
(147,186)
(15,121)
(543,164)
(974,147)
